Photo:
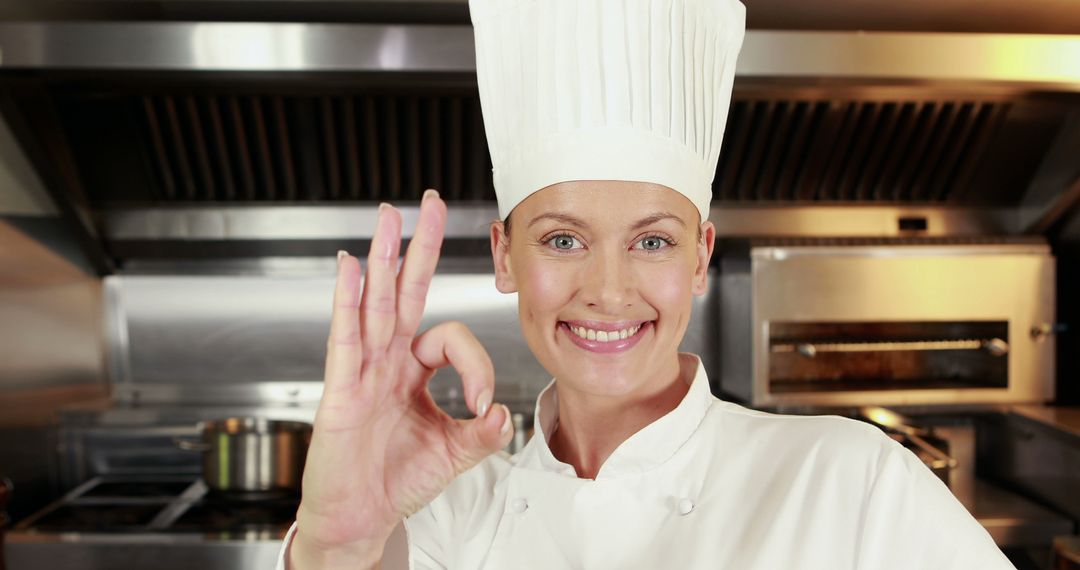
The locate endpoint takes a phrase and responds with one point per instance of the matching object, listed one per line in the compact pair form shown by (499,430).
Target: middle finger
(378,303)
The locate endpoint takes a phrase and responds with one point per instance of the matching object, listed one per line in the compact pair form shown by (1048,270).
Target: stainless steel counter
(152,550)
(1015,521)
(1065,419)
(158,522)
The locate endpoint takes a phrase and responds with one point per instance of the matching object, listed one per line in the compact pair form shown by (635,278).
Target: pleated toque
(634,90)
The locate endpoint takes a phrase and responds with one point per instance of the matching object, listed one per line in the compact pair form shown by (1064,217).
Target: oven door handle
(994,346)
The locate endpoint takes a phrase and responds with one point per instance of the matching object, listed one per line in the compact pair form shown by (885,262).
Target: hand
(381,448)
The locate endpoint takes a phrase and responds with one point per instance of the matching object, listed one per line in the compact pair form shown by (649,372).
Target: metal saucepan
(250,454)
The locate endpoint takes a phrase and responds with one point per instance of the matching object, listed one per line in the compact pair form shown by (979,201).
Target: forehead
(612,200)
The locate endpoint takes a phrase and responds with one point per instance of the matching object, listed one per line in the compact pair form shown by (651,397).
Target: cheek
(667,286)
(544,287)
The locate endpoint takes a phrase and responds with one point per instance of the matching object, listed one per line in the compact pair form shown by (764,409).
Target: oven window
(860,356)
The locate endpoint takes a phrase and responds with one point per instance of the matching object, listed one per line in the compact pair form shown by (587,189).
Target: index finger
(421,257)
(343,346)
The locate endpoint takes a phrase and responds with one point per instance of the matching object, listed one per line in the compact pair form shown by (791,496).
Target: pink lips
(605,347)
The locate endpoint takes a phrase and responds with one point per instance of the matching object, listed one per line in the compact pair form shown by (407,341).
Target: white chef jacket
(709,485)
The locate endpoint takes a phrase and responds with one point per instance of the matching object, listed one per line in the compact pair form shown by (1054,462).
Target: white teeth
(604,336)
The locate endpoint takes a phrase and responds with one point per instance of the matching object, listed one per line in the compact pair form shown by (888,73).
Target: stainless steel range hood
(188,139)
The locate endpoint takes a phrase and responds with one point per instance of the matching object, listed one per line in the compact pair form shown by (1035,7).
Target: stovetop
(160,504)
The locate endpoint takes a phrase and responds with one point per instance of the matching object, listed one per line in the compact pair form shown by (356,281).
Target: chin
(600,376)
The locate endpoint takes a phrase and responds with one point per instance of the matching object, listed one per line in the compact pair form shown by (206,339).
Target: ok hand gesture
(381,448)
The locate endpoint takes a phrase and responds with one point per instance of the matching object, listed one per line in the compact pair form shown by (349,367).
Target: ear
(704,255)
(500,255)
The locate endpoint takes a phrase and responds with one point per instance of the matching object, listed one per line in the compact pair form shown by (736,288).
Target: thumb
(483,435)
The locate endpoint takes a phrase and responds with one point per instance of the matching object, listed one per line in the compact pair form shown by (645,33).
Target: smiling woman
(604,121)
(605,273)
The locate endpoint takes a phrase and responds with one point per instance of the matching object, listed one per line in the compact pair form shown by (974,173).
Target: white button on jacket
(709,485)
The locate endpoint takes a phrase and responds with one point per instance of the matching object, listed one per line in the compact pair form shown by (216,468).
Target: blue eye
(653,243)
(565,242)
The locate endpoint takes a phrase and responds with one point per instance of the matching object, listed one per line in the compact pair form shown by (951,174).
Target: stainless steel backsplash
(186,338)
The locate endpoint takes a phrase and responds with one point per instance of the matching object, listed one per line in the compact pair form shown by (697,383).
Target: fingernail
(506,422)
(429,193)
(383,206)
(483,403)
(341,255)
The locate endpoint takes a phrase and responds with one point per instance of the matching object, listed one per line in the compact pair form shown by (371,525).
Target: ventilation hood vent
(282,148)
(213,148)
(156,119)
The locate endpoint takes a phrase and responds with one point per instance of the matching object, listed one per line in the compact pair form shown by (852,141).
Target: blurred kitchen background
(897,204)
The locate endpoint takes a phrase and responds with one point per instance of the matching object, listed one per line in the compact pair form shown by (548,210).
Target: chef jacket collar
(648,448)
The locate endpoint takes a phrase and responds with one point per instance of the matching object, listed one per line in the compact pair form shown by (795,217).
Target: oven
(907,323)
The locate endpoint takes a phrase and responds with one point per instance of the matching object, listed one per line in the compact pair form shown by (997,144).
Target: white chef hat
(605,90)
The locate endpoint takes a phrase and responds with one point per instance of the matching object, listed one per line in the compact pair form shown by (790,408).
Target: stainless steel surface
(859,220)
(177,524)
(960,436)
(896,422)
(51,355)
(1062,419)
(901,284)
(251,453)
(236,46)
(283,222)
(1034,16)
(262,338)
(1054,189)
(465,220)
(23,193)
(141,439)
(995,346)
(1037,457)
(1013,520)
(51,315)
(157,551)
(1042,60)
(917,56)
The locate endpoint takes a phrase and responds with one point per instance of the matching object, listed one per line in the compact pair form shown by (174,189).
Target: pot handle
(189,445)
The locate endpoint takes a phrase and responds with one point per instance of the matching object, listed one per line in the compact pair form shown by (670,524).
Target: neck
(591,427)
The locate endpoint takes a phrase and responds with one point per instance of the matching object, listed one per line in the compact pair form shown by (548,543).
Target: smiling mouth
(608,338)
(604,335)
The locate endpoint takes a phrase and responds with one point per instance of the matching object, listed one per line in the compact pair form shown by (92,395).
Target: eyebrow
(652,219)
(576,221)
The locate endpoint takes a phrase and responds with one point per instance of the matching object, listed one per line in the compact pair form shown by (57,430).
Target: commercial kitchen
(897,205)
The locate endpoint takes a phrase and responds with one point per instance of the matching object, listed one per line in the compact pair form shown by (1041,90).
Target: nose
(608,283)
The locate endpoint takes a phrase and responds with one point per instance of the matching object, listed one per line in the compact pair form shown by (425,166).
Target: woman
(603,191)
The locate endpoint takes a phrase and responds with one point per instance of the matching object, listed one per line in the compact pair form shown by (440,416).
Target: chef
(604,120)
